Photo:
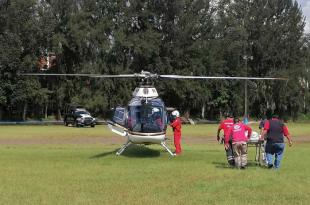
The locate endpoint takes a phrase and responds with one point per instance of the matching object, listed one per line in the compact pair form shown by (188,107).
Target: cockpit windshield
(81,112)
(146,118)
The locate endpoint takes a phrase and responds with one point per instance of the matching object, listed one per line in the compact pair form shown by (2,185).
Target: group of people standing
(237,134)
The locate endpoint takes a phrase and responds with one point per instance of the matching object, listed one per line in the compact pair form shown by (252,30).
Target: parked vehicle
(78,116)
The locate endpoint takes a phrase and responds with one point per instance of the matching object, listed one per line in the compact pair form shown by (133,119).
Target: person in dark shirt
(274,130)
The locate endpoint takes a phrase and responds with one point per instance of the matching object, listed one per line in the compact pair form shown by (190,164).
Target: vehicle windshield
(146,118)
(82,112)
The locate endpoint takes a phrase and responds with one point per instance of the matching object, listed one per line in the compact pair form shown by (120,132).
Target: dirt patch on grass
(110,140)
(73,141)
(301,139)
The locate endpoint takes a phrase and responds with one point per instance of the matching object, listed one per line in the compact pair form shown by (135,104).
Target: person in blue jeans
(274,132)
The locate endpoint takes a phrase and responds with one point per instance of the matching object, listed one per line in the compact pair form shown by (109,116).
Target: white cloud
(306,11)
(305,6)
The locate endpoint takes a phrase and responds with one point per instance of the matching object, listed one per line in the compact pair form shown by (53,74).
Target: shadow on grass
(104,154)
(140,151)
(225,165)
(222,165)
(135,151)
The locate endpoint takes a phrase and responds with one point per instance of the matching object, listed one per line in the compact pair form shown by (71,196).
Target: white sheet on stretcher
(254,136)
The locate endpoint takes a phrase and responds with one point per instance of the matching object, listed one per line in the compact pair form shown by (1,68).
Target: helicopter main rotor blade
(143,74)
(148,75)
(218,77)
(81,75)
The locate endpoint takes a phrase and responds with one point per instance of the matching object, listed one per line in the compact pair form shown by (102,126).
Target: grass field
(61,165)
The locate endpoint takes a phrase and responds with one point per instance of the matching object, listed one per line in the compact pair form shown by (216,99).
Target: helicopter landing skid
(122,149)
(168,150)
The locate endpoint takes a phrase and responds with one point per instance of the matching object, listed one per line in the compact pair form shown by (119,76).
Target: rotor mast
(146,88)
(145,92)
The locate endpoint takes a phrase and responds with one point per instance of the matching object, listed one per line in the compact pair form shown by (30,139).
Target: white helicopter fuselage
(144,121)
(151,138)
(138,137)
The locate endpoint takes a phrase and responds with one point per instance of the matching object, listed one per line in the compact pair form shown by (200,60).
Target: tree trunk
(221,114)
(25,111)
(187,114)
(1,111)
(203,109)
(45,111)
(58,114)
(304,105)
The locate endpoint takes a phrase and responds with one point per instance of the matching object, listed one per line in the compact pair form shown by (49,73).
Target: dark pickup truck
(78,116)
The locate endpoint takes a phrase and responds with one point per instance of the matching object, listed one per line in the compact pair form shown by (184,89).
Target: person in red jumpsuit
(176,126)
(225,125)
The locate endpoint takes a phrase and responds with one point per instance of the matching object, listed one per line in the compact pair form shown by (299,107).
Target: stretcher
(259,145)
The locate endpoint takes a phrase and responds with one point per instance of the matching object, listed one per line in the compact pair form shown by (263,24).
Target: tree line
(186,37)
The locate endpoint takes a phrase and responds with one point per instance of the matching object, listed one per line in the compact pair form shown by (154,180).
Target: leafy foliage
(186,37)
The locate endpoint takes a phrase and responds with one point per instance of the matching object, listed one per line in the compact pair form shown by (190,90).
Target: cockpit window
(120,115)
(82,112)
(146,118)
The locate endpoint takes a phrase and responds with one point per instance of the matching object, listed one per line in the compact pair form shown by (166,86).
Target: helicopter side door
(119,120)
(120,116)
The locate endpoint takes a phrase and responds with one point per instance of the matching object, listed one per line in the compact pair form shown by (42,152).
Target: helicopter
(145,119)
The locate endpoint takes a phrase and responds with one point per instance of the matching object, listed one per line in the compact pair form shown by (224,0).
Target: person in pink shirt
(237,133)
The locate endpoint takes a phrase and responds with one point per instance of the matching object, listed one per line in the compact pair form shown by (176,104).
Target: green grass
(93,174)
(299,129)
(52,131)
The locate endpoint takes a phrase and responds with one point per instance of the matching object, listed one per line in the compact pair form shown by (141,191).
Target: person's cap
(175,113)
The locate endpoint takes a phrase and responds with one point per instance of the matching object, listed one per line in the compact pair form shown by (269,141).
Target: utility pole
(246,57)
(246,90)
(246,106)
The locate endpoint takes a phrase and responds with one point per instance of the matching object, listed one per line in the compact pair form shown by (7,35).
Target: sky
(305,6)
